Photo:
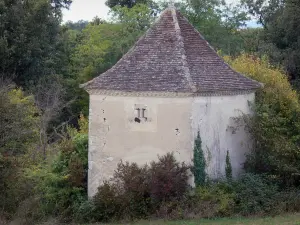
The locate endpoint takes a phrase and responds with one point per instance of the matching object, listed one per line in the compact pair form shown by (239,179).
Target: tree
(228,168)
(30,39)
(275,123)
(49,98)
(199,162)
(79,25)
(218,22)
(127,3)
(100,45)
(19,120)
(264,10)
(280,19)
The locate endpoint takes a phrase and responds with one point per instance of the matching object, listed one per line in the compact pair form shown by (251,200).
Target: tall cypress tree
(228,168)
(199,162)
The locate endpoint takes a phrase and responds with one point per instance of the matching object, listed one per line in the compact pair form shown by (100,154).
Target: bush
(84,211)
(287,201)
(168,179)
(254,194)
(18,134)
(136,192)
(175,210)
(275,124)
(109,203)
(60,184)
(208,201)
(213,200)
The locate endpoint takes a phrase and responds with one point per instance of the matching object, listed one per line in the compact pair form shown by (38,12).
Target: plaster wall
(114,136)
(214,117)
(171,126)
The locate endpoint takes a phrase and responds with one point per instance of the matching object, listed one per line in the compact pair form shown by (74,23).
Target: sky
(85,10)
(88,9)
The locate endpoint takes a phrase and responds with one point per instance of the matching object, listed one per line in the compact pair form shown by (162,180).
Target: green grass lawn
(280,220)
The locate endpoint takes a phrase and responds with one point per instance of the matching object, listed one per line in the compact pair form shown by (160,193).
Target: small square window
(140,114)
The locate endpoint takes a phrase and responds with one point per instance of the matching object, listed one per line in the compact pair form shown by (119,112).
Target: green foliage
(218,22)
(19,120)
(215,199)
(99,46)
(199,162)
(30,39)
(131,3)
(275,124)
(19,134)
(228,168)
(61,184)
(76,26)
(254,195)
(280,20)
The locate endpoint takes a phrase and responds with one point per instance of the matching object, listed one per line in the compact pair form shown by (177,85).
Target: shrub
(84,211)
(108,203)
(174,210)
(213,200)
(137,192)
(208,201)
(287,201)
(254,194)
(168,179)
(60,183)
(275,124)
(132,184)
(18,134)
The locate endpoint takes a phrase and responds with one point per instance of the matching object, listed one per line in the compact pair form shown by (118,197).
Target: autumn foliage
(275,125)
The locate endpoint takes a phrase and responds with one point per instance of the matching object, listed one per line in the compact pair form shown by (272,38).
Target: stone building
(156,98)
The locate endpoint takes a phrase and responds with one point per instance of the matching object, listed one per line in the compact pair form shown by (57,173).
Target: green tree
(19,119)
(275,123)
(129,3)
(199,162)
(280,19)
(79,25)
(100,45)
(218,22)
(30,39)
(228,168)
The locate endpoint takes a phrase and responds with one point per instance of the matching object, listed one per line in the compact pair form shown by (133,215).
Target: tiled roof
(171,57)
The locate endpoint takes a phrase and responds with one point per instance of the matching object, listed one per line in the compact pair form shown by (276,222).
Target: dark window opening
(140,115)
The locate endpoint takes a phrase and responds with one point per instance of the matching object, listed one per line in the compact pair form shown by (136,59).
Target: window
(140,114)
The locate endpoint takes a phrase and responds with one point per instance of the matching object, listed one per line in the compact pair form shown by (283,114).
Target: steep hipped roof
(172,57)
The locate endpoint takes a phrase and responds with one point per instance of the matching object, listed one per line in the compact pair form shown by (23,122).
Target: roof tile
(171,57)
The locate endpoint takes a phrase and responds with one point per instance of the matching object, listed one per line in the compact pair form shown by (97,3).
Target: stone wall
(114,135)
(214,117)
(171,126)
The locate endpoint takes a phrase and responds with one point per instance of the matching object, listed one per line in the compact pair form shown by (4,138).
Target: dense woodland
(43,113)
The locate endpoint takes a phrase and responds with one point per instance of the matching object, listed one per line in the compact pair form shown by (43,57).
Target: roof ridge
(186,68)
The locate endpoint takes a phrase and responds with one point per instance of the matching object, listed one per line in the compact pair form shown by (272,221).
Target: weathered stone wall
(172,124)
(214,117)
(113,134)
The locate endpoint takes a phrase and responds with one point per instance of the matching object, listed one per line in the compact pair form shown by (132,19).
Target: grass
(279,220)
